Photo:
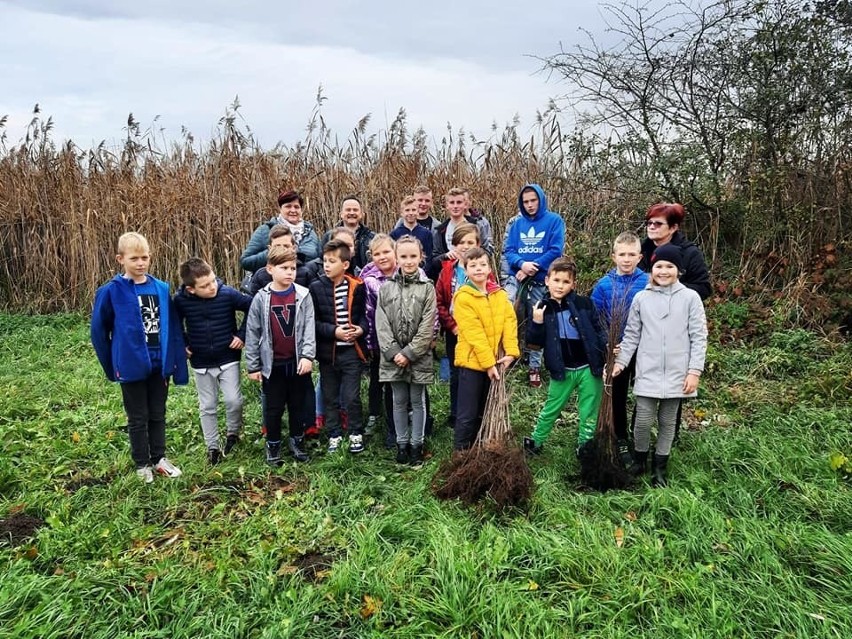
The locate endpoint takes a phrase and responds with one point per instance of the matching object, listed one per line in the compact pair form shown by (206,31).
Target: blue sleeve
(254,257)
(100,331)
(600,297)
(556,244)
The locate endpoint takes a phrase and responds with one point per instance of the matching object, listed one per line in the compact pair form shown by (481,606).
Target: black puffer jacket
(695,273)
(322,292)
(210,324)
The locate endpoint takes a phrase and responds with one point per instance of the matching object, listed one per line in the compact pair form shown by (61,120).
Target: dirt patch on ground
(17,528)
(313,566)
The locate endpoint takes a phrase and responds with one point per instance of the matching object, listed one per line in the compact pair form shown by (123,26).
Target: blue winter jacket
(211,324)
(613,293)
(119,338)
(546,335)
(537,238)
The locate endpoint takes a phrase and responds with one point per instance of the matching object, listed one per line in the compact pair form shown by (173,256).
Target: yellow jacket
(485,321)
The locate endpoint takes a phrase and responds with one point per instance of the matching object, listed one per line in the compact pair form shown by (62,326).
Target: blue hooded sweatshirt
(613,294)
(119,337)
(537,238)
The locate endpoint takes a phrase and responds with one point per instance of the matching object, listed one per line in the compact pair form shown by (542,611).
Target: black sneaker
(416,456)
(214,456)
(402,456)
(230,442)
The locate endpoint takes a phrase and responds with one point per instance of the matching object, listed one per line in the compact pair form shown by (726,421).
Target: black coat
(322,292)
(546,335)
(209,325)
(695,274)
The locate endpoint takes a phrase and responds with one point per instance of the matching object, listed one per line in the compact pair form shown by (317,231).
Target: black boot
(640,463)
(416,458)
(530,447)
(402,456)
(273,453)
(295,444)
(661,463)
(625,455)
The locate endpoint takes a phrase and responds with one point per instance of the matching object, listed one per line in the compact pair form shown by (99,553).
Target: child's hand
(188,352)
(538,312)
(616,370)
(455,330)
(690,384)
(616,349)
(305,366)
(505,361)
(400,360)
(356,332)
(493,374)
(529,268)
(236,343)
(256,376)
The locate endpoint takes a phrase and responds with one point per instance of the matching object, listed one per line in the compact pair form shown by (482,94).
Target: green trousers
(589,390)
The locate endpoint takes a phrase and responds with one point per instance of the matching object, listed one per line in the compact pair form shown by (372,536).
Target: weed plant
(752,537)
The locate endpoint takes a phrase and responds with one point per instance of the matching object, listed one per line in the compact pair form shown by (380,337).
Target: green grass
(753,537)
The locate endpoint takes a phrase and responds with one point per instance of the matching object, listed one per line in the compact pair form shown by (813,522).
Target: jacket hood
(542,201)
(469,288)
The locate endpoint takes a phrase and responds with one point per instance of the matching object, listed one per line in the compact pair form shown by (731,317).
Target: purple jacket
(373,279)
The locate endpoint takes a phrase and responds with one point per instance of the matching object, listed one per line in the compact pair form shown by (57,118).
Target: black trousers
(451,343)
(620,392)
(284,390)
(340,382)
(380,393)
(471,405)
(145,405)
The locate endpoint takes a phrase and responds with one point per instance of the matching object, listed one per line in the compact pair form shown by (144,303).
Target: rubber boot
(273,453)
(416,457)
(402,456)
(530,447)
(296,444)
(640,463)
(626,457)
(661,463)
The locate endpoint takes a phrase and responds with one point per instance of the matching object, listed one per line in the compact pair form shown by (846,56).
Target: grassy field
(753,538)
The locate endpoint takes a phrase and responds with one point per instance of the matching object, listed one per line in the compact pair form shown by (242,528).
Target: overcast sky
(89,63)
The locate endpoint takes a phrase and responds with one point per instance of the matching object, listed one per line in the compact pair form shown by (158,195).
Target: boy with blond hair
(408,210)
(612,296)
(139,344)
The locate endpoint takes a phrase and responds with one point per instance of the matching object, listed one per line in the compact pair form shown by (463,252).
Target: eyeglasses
(655,223)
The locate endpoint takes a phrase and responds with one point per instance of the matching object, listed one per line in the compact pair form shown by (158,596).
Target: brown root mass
(494,467)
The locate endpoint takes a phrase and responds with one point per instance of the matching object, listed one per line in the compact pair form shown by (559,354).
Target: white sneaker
(334,444)
(145,474)
(356,444)
(167,468)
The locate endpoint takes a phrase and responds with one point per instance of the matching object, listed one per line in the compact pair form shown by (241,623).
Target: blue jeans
(534,293)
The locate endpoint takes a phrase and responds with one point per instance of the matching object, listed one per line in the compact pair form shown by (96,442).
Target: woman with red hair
(662,224)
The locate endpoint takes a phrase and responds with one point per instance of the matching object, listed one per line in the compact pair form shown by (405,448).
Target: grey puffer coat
(667,329)
(405,323)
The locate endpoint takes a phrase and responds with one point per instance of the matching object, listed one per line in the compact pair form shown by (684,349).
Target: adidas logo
(530,238)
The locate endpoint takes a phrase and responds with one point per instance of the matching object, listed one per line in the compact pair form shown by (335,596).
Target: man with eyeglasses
(662,224)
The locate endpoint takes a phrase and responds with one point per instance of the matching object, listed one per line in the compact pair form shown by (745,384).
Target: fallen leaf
(287,569)
(630,516)
(31,553)
(371,606)
(75,437)
(619,536)
(531,585)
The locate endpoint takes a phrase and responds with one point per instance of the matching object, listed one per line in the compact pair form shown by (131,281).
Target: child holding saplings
(405,328)
(565,327)
(667,330)
(487,327)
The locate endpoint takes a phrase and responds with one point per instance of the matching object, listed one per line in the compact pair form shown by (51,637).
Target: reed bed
(62,207)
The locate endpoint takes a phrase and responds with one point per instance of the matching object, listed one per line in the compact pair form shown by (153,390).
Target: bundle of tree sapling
(601,467)
(494,467)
